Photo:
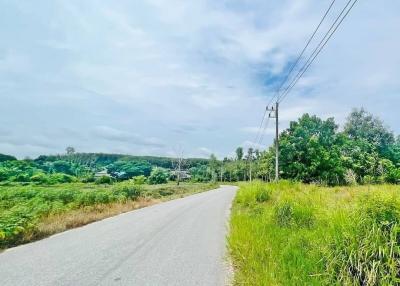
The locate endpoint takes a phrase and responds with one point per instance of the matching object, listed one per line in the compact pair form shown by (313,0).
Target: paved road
(180,242)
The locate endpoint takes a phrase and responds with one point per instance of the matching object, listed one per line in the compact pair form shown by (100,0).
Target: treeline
(313,150)
(72,167)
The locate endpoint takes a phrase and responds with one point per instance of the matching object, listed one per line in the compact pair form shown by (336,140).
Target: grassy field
(32,212)
(295,234)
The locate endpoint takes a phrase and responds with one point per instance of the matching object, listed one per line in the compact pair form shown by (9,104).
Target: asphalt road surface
(180,242)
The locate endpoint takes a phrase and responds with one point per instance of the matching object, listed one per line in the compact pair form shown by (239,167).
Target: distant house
(102,173)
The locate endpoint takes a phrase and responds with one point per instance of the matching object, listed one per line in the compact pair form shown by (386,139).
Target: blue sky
(152,76)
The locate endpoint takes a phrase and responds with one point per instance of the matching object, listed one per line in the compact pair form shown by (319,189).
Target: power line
(264,130)
(258,137)
(306,46)
(318,49)
(260,128)
(302,52)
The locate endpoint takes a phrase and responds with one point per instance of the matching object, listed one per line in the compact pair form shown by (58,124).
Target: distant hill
(100,160)
(4,158)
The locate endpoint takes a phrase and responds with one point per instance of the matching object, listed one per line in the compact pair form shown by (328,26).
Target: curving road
(180,242)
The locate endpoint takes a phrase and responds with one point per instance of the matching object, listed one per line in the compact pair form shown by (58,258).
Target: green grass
(295,234)
(26,209)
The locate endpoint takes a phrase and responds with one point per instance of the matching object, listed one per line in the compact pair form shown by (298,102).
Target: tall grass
(309,235)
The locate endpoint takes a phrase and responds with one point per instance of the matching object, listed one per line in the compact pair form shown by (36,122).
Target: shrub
(88,179)
(40,178)
(393,176)
(158,176)
(128,189)
(368,180)
(104,180)
(139,180)
(20,178)
(350,177)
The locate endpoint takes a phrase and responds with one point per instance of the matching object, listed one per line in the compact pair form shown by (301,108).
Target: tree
(239,153)
(178,164)
(4,158)
(70,150)
(363,125)
(214,165)
(158,176)
(124,170)
(200,174)
(309,151)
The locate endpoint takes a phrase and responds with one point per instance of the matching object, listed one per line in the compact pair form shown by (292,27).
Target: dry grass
(53,224)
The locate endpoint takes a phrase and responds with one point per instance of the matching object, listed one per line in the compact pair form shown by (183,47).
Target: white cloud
(142,76)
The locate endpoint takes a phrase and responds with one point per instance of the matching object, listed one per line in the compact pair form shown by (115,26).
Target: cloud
(204,152)
(128,76)
(255,130)
(249,144)
(109,133)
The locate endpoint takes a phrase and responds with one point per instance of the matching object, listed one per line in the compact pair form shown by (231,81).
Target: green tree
(70,150)
(239,153)
(4,158)
(128,169)
(363,125)
(309,151)
(214,165)
(158,176)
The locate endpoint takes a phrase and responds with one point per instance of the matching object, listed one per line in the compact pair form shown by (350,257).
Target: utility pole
(274,113)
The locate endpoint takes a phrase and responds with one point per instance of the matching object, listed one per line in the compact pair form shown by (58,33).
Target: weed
(310,235)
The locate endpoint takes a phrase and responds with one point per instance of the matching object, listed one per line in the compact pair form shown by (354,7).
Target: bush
(128,189)
(139,180)
(61,178)
(88,179)
(158,176)
(393,176)
(104,180)
(40,178)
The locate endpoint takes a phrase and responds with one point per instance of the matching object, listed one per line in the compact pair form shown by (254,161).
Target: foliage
(200,174)
(4,158)
(129,169)
(312,150)
(363,125)
(139,180)
(104,180)
(158,176)
(309,151)
(239,153)
(309,235)
(24,208)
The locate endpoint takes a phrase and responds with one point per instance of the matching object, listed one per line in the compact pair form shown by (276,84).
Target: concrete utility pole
(274,113)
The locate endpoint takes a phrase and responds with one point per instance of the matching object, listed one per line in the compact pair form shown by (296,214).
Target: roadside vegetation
(30,212)
(296,234)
